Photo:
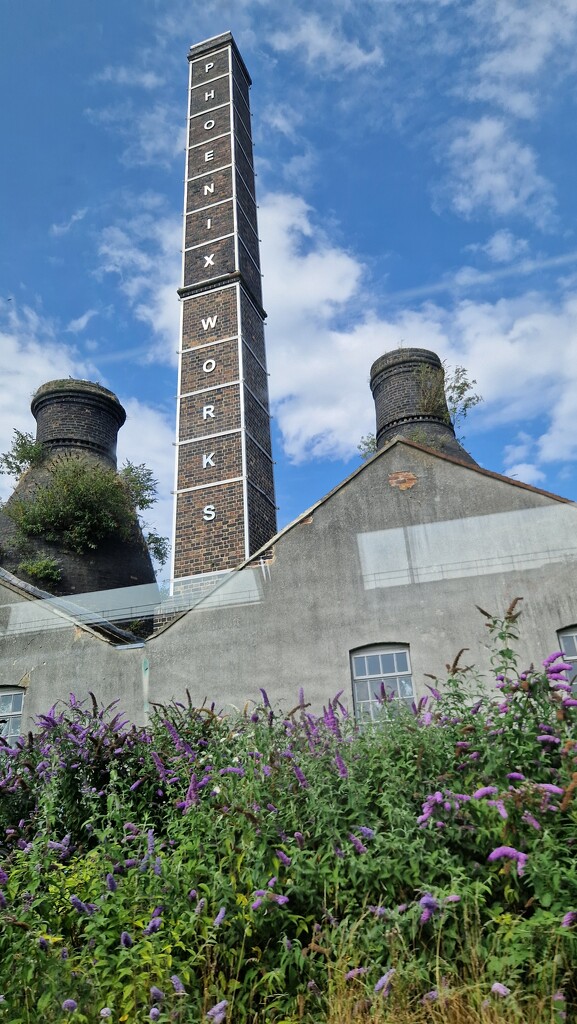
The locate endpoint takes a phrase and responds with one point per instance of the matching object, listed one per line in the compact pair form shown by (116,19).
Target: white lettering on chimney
(208,513)
(208,412)
(207,460)
(209,95)
(209,365)
(207,67)
(209,260)
(209,188)
(210,321)
(209,155)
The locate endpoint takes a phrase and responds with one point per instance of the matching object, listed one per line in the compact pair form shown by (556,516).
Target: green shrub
(44,569)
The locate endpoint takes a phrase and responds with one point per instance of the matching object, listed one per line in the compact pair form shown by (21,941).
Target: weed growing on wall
(287,867)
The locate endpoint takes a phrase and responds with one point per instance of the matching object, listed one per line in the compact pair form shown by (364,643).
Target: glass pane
(405,687)
(359,667)
(402,661)
(361,690)
(568,644)
(5,703)
(388,663)
(17,702)
(14,726)
(373,665)
(364,711)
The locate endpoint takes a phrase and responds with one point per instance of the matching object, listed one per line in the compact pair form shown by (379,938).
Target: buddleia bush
(284,866)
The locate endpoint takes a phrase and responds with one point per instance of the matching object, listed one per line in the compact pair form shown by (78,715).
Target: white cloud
(81,322)
(153,136)
(30,355)
(143,251)
(527,473)
(64,227)
(125,76)
(491,171)
(323,334)
(502,247)
(148,437)
(530,45)
(323,46)
(521,448)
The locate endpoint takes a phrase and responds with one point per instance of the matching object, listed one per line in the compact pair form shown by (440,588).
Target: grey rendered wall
(401,553)
(296,620)
(65,658)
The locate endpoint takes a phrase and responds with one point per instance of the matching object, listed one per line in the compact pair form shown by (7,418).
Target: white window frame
(568,644)
(368,677)
(11,717)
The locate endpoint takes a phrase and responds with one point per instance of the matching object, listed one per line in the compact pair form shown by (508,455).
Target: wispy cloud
(530,45)
(492,172)
(321,43)
(64,226)
(130,77)
(468,278)
(502,247)
(81,322)
(142,250)
(152,136)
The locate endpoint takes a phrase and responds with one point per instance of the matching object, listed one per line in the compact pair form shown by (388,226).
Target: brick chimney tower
(224,493)
(408,387)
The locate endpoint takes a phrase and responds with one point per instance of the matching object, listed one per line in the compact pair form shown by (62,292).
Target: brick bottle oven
(76,419)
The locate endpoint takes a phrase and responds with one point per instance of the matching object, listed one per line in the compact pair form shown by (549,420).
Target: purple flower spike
(355,972)
(105,1012)
(177,985)
(510,853)
(125,940)
(485,791)
(384,983)
(218,1013)
(431,996)
(283,858)
(359,847)
(569,919)
(69,1005)
(219,917)
(500,990)
(156,994)
(154,1013)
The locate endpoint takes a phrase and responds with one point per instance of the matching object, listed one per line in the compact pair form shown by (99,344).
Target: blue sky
(416,185)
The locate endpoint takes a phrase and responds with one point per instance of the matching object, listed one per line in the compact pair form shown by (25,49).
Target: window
(568,643)
(378,672)
(11,713)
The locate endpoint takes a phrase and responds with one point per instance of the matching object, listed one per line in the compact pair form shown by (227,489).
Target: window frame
(570,658)
(9,717)
(372,703)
